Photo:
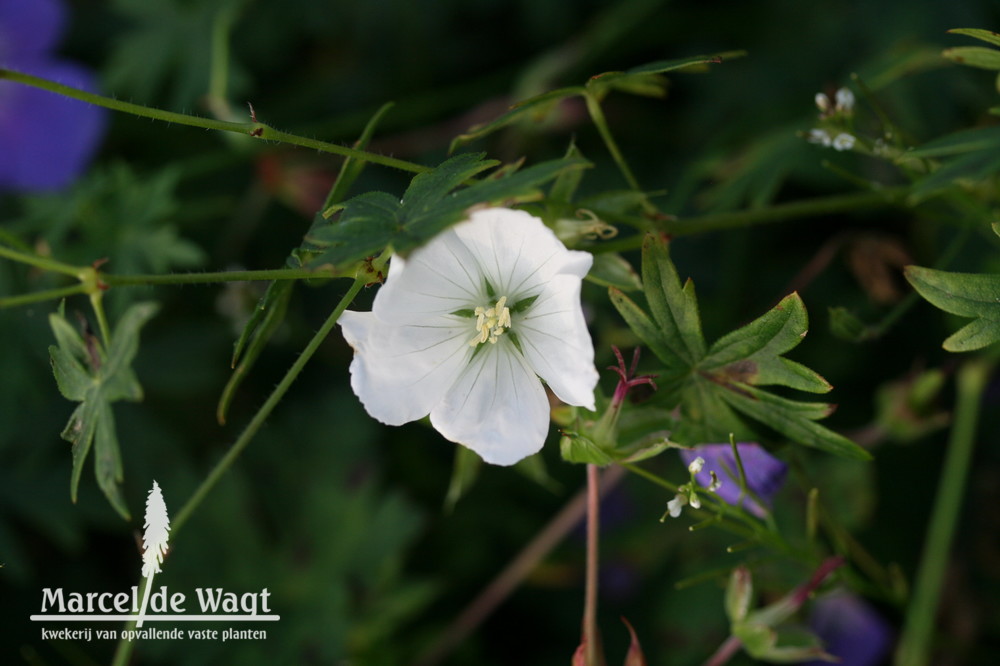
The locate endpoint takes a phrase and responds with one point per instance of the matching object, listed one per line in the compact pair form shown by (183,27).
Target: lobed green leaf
(964,294)
(752,354)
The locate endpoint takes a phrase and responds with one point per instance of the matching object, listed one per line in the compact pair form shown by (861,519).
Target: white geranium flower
(464,327)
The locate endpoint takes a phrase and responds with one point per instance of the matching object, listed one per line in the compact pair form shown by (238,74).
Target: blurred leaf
(373,221)
(539,105)
(973,167)
(966,295)
(965,141)
(974,56)
(643,79)
(710,384)
(610,269)
(463,475)
(983,35)
(87,373)
(565,185)
(169,43)
(845,325)
(118,215)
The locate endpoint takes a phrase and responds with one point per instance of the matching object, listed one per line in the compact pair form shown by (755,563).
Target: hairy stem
(258,420)
(218,276)
(254,129)
(39,296)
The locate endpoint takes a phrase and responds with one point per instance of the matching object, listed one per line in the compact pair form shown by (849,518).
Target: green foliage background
(342,519)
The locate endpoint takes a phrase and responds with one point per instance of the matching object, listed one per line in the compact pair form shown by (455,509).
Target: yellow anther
(491,322)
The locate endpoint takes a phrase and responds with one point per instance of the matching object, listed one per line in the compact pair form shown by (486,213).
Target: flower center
(491,322)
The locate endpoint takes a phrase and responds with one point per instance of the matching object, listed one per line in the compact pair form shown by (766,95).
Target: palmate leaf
(373,221)
(964,294)
(95,377)
(714,385)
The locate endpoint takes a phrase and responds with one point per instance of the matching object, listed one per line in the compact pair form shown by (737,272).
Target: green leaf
(752,354)
(540,106)
(370,222)
(576,448)
(643,79)
(964,294)
(713,386)
(610,269)
(974,56)
(674,308)
(71,378)
(845,325)
(972,167)
(795,420)
(983,35)
(96,383)
(965,141)
(565,185)
(463,475)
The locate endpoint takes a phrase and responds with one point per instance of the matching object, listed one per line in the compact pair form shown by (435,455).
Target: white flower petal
(497,407)
(401,372)
(556,342)
(515,251)
(438,278)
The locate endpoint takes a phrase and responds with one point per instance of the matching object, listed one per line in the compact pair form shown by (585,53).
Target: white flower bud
(822,102)
(696,465)
(845,100)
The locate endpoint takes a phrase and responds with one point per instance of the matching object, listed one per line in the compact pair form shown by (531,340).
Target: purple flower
(850,629)
(764,472)
(45,139)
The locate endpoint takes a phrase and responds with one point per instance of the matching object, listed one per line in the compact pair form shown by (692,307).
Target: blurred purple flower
(850,629)
(45,139)
(764,472)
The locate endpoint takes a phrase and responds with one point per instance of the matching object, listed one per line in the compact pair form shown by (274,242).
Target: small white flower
(696,465)
(820,136)
(464,327)
(675,505)
(845,100)
(716,482)
(822,103)
(843,141)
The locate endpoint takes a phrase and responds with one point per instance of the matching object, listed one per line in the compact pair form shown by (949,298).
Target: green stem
(39,296)
(918,629)
(840,203)
(39,262)
(218,276)
(254,129)
(258,420)
(97,302)
(597,115)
